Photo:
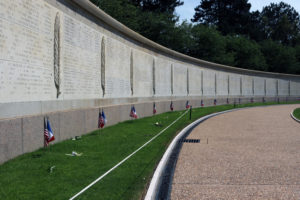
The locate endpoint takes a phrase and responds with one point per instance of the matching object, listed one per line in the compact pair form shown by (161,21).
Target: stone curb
(157,179)
(292,115)
(154,188)
(101,15)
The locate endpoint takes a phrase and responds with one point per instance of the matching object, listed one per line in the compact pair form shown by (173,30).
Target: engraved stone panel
(81,58)
(222,83)
(142,78)
(234,84)
(162,77)
(26,51)
(209,83)
(195,81)
(180,79)
(247,86)
(271,85)
(283,87)
(259,86)
(295,88)
(117,70)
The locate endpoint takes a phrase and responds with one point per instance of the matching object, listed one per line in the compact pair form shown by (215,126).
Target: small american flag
(187,105)
(227,101)
(48,133)
(154,108)
(171,106)
(133,113)
(102,119)
(215,102)
(202,104)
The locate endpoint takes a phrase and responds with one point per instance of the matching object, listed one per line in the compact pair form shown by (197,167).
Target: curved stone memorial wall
(67,58)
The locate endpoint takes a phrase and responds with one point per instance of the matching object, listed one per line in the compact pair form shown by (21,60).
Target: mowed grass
(28,176)
(296,113)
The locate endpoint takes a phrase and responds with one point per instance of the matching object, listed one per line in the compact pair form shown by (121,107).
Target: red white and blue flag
(187,105)
(102,119)
(154,108)
(133,113)
(202,104)
(215,102)
(48,133)
(171,106)
(227,101)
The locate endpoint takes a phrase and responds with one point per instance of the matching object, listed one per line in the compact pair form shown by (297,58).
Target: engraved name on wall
(26,51)
(81,58)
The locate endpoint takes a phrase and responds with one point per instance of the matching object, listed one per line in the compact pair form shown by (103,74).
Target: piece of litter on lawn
(51,169)
(157,124)
(74,153)
(76,138)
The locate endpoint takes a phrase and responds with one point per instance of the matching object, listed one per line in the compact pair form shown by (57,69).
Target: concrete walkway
(251,154)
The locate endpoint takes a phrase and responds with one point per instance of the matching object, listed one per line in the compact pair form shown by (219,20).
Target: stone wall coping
(107,19)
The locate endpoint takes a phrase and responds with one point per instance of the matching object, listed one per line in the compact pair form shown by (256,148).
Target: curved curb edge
(157,178)
(292,115)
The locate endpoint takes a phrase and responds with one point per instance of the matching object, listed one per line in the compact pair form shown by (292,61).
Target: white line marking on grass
(117,165)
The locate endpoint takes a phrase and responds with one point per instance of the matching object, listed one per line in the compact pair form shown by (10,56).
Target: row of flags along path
(49,136)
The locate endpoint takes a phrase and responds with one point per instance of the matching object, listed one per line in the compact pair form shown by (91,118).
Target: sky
(187,11)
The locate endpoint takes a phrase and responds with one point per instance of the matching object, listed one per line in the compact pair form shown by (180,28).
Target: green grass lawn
(296,113)
(28,176)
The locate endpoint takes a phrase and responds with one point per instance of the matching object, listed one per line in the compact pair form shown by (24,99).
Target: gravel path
(251,154)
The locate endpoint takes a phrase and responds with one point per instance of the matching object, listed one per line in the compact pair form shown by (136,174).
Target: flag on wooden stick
(48,133)
(133,113)
(171,106)
(102,119)
(154,108)
(187,105)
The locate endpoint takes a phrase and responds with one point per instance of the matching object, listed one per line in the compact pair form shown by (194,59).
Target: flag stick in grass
(48,133)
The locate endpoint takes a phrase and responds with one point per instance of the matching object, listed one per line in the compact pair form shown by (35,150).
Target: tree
(229,16)
(247,53)
(122,10)
(281,23)
(209,44)
(162,6)
(280,58)
(154,19)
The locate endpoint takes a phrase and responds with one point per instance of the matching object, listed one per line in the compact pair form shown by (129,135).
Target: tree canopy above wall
(222,31)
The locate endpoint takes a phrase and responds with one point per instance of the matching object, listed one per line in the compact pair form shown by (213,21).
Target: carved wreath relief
(131,72)
(103,65)
(172,79)
(153,76)
(57,54)
(187,82)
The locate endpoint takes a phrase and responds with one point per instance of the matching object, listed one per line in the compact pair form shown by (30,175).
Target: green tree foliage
(122,10)
(225,31)
(247,53)
(280,22)
(280,58)
(229,16)
(209,44)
